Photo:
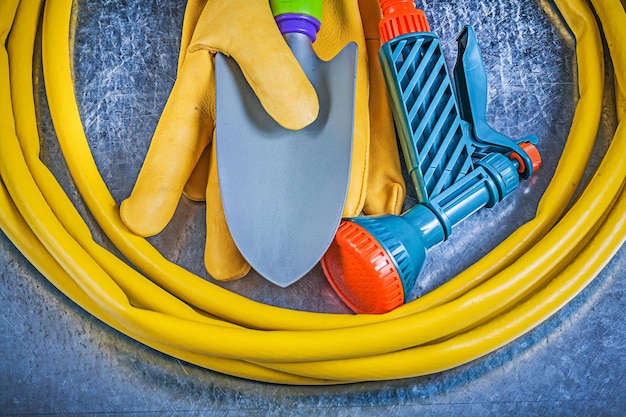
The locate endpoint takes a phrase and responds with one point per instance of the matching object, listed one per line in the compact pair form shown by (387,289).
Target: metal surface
(56,359)
(283,191)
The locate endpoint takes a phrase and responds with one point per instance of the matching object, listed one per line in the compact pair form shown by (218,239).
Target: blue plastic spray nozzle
(456,161)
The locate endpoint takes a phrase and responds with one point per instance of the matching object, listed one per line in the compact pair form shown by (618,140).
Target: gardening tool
(457,162)
(283,191)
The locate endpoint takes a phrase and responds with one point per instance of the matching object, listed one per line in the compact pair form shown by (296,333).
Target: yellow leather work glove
(180,156)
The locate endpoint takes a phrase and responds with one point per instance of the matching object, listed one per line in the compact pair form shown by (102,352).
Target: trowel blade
(283,191)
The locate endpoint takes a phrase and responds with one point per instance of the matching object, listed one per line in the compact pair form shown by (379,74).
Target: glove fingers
(385,185)
(370,16)
(195,188)
(222,259)
(181,135)
(386,189)
(263,56)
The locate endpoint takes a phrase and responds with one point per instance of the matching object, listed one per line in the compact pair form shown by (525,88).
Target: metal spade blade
(283,191)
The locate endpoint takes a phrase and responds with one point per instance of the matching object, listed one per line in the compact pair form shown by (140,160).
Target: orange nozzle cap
(400,17)
(361,272)
(532,152)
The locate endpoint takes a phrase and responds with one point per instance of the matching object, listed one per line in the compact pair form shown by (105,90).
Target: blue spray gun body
(456,161)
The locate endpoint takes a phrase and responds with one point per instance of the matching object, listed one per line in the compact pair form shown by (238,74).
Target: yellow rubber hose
(82,169)
(279,346)
(525,280)
(185,285)
(171,277)
(613,25)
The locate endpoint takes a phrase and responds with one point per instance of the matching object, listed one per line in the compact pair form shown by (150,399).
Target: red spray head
(373,262)
(400,17)
(361,271)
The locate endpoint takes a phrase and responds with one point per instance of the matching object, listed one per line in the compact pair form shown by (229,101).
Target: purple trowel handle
(298,23)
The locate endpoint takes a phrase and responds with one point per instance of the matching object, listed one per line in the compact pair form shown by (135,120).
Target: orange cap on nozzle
(400,17)
(361,271)
(532,152)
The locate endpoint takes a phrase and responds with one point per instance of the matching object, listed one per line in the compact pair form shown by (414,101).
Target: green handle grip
(308,7)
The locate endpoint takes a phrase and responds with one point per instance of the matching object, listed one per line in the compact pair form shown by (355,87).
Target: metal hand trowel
(283,191)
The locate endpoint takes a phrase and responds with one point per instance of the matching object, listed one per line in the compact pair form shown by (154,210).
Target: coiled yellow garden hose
(517,286)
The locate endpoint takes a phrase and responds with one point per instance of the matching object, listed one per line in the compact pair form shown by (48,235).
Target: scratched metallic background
(56,359)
